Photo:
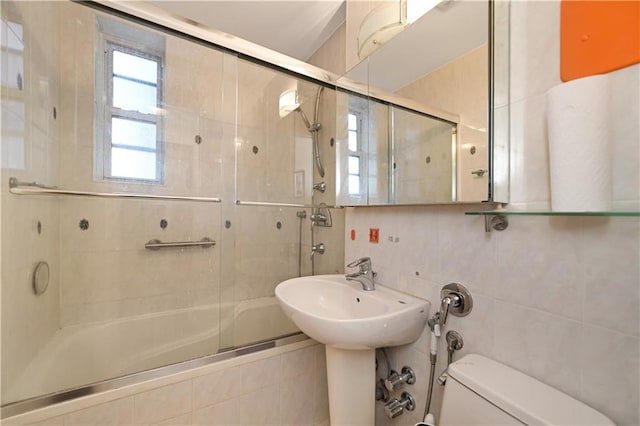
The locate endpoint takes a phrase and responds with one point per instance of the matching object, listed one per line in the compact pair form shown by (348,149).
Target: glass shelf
(621,213)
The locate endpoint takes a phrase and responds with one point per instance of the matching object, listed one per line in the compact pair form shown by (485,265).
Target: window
(130,144)
(354,152)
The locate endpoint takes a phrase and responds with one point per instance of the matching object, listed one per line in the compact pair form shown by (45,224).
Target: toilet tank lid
(527,399)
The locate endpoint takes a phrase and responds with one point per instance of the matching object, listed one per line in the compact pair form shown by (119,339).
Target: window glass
(353,140)
(133,164)
(354,165)
(135,67)
(354,185)
(133,96)
(133,133)
(353,122)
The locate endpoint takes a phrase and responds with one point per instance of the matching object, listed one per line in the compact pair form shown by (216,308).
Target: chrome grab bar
(35,188)
(157,244)
(270,204)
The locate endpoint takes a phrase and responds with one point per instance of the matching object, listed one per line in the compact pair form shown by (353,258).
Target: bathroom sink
(339,313)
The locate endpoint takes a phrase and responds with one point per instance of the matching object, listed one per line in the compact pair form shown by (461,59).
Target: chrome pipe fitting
(396,407)
(321,187)
(395,380)
(382,394)
(317,248)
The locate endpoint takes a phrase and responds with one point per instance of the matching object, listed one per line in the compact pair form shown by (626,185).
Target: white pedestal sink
(351,322)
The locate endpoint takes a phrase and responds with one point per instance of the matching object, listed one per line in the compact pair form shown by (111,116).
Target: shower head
(289,103)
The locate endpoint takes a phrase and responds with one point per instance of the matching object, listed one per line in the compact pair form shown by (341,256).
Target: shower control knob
(395,379)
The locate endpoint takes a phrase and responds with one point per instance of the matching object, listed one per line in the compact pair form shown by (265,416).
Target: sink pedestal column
(351,375)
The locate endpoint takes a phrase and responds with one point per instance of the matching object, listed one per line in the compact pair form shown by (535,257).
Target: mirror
(443,80)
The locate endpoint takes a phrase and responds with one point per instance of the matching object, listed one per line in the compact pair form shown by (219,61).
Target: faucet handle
(364,263)
(456,300)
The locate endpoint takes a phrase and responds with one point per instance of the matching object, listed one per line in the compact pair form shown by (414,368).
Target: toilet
(480,391)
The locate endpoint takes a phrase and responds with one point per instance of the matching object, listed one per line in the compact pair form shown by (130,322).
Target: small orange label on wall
(597,37)
(374,235)
(353,235)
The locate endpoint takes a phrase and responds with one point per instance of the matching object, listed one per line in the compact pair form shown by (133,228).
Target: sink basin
(339,313)
(351,322)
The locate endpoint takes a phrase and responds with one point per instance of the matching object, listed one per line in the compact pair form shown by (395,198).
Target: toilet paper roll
(579,131)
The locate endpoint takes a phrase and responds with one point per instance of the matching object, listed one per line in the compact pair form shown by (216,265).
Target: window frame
(106,111)
(358,153)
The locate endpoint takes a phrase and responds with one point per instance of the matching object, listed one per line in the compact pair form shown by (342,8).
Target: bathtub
(256,319)
(85,354)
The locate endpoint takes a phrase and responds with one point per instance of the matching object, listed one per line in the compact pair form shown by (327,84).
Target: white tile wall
(557,298)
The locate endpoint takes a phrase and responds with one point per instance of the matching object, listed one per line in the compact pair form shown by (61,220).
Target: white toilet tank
(480,391)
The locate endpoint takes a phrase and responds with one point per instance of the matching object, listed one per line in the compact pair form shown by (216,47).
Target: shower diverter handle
(449,301)
(456,300)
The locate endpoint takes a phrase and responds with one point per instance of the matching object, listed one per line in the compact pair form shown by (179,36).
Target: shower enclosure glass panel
(121,138)
(275,168)
(72,118)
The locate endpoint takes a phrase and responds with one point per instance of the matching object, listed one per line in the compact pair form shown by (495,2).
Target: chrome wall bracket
(455,299)
(498,222)
(321,216)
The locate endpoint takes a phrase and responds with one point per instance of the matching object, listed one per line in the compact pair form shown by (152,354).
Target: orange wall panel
(597,37)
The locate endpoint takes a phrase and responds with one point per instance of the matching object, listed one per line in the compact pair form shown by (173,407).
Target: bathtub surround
(279,386)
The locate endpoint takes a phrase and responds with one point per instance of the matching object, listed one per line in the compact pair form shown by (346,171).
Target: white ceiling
(296,28)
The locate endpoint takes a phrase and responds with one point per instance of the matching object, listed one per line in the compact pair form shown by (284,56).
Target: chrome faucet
(317,248)
(365,276)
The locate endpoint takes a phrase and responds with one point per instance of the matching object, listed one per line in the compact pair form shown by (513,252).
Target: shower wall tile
(331,56)
(217,387)
(544,268)
(54,421)
(162,403)
(261,407)
(260,374)
(609,366)
(611,267)
(223,414)
(531,342)
(184,420)
(119,412)
(296,405)
(535,48)
(108,273)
